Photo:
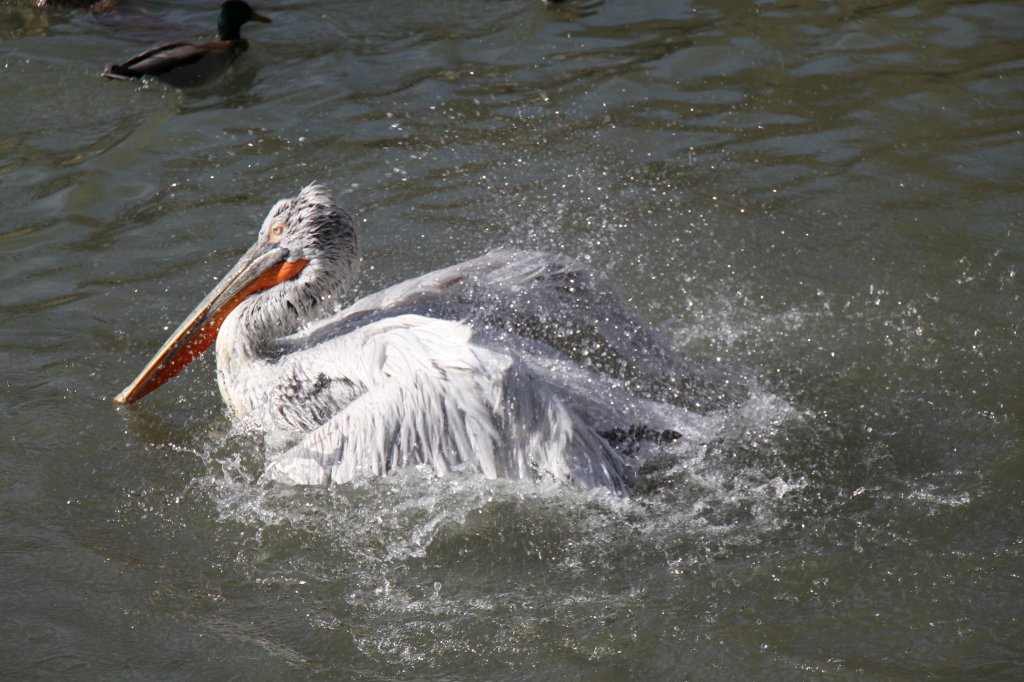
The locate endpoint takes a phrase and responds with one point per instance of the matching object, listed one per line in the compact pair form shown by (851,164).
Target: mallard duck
(182,63)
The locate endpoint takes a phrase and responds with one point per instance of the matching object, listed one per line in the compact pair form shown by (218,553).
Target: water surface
(823,196)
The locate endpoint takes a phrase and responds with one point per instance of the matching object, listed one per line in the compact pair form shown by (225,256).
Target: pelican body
(518,363)
(182,63)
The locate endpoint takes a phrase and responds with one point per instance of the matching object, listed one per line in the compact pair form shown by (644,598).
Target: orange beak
(261,268)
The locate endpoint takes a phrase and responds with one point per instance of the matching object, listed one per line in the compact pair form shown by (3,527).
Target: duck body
(179,64)
(183,63)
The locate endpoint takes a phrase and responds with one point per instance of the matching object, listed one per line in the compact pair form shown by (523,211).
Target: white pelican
(517,362)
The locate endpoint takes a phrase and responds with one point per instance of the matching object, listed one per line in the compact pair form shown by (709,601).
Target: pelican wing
(442,400)
(551,299)
(539,281)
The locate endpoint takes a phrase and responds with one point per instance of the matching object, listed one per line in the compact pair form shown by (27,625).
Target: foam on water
(408,566)
(415,560)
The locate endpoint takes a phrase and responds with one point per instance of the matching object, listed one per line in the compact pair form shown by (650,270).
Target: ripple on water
(410,565)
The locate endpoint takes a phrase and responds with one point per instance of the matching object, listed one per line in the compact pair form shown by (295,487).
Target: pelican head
(304,259)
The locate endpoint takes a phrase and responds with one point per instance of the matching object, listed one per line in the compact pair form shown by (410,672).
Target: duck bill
(259,269)
(256,16)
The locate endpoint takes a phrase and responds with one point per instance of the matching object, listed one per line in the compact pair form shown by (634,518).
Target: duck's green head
(233,14)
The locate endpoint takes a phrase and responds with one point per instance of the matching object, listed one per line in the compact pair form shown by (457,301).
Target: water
(823,196)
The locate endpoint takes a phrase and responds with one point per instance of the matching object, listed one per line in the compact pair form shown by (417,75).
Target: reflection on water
(822,196)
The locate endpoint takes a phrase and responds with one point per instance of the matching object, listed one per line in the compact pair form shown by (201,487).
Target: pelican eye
(276,231)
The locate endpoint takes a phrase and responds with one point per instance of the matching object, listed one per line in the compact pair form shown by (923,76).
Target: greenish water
(825,196)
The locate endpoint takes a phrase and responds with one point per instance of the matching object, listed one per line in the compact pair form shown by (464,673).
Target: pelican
(182,63)
(517,363)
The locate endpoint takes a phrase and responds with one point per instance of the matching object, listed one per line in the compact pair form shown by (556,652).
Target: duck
(183,63)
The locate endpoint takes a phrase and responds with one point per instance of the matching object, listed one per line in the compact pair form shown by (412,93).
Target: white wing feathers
(552,299)
(436,397)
